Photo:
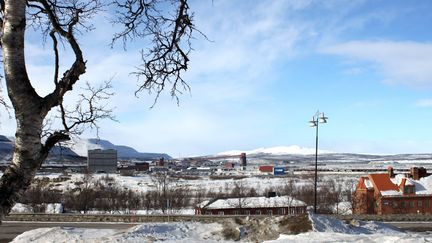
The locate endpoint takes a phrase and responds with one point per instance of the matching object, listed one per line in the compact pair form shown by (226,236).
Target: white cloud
(406,63)
(424,103)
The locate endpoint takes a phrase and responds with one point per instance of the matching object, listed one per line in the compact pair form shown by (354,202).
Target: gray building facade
(99,160)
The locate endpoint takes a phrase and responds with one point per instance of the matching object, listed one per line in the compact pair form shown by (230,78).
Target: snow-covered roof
(203,203)
(423,186)
(368,184)
(255,202)
(391,193)
(398,180)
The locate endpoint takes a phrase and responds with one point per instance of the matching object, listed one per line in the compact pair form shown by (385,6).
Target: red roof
(382,182)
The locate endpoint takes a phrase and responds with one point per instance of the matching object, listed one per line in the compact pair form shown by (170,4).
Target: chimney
(161,161)
(390,172)
(415,173)
(243,160)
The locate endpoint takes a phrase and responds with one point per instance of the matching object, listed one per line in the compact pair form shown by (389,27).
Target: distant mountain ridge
(297,154)
(278,150)
(76,150)
(80,147)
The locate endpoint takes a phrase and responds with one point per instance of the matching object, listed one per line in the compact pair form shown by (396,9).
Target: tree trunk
(29,152)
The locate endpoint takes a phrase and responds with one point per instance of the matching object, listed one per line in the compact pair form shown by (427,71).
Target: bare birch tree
(166,24)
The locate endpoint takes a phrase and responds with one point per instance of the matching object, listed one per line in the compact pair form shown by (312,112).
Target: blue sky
(270,65)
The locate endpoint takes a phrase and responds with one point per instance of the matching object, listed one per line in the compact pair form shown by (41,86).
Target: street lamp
(318,118)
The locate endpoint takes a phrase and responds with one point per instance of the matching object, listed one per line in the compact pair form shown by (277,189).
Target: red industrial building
(388,193)
(266,168)
(283,205)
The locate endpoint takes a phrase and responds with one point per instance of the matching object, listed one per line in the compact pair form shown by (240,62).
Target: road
(10,229)
(417,226)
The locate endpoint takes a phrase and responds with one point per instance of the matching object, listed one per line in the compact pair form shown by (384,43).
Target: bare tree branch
(56,54)
(165,62)
(89,109)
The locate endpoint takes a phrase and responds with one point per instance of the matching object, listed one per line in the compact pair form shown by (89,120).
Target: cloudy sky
(268,67)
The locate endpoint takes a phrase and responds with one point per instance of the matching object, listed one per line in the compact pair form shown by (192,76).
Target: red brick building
(283,205)
(388,193)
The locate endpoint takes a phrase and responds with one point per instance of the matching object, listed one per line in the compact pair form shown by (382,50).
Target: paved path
(10,229)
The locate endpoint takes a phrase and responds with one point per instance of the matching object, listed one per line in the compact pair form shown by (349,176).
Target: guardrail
(386,218)
(127,218)
(131,218)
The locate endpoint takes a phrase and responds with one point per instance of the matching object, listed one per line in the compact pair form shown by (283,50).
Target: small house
(283,205)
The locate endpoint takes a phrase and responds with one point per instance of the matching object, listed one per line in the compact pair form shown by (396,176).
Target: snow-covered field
(144,183)
(325,229)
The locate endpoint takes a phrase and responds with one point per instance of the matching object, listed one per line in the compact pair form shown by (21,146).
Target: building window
(403,204)
(395,204)
(246,212)
(411,204)
(258,212)
(282,211)
(269,212)
(420,204)
(236,212)
(221,213)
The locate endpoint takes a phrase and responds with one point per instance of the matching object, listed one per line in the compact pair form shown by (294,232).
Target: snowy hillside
(296,154)
(278,150)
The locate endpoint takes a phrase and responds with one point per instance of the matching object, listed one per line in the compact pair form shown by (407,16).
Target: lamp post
(318,118)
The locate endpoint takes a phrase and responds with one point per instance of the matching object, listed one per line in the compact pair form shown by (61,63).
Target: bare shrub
(230,231)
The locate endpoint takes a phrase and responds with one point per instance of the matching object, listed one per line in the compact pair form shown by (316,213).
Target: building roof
(253,202)
(382,182)
(387,186)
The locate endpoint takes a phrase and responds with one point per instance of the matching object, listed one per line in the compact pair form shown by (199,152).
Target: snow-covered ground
(325,229)
(150,232)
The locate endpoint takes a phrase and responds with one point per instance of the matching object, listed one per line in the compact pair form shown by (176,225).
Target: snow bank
(21,208)
(314,237)
(328,229)
(149,232)
(64,234)
(322,223)
(54,208)
(325,229)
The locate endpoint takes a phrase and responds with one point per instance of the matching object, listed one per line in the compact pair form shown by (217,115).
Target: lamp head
(312,123)
(322,118)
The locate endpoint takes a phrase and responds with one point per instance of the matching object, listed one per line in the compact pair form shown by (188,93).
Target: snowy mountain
(6,148)
(77,150)
(297,154)
(279,150)
(80,147)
